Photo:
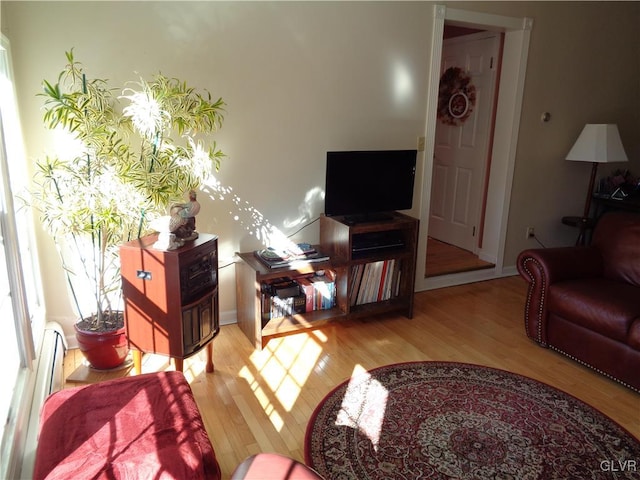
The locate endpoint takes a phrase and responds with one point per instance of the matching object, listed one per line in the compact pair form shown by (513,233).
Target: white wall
(298,80)
(303,78)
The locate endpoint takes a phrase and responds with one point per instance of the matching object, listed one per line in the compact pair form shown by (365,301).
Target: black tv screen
(364,183)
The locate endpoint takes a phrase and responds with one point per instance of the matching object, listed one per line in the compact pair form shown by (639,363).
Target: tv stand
(366,218)
(369,281)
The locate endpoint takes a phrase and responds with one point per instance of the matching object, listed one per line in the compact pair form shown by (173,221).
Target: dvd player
(372,241)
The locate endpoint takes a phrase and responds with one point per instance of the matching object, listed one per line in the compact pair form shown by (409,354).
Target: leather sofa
(584,301)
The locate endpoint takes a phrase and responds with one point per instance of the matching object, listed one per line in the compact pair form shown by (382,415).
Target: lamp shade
(599,143)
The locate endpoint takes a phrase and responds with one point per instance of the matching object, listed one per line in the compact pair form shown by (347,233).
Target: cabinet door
(205,310)
(190,329)
(209,318)
(199,323)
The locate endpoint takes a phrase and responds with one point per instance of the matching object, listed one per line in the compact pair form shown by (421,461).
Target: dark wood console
(372,265)
(171,298)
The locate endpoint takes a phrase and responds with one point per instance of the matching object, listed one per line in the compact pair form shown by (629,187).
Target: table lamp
(598,143)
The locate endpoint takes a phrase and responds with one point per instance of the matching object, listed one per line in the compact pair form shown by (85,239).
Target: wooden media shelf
(372,265)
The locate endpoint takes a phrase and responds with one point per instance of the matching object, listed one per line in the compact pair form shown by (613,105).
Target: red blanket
(141,427)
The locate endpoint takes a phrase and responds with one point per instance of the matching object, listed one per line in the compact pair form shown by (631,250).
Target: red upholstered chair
(141,427)
(273,466)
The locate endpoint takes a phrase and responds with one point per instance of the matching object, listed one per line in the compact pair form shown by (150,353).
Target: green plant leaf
(121,179)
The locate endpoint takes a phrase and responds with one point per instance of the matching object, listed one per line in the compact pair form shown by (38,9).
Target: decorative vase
(103,350)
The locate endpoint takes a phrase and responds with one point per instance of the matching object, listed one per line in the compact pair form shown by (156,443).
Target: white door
(461,152)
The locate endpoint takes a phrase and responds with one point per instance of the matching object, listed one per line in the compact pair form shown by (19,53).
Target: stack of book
(375,282)
(319,291)
(286,257)
(284,297)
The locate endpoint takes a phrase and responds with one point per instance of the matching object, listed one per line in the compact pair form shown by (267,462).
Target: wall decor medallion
(456,97)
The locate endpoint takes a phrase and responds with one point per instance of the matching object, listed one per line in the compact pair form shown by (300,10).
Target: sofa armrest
(563,263)
(541,268)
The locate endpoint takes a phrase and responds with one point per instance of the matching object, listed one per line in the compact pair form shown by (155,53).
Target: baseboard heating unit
(49,378)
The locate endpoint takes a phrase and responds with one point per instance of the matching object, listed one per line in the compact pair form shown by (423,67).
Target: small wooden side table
(171,298)
(584,224)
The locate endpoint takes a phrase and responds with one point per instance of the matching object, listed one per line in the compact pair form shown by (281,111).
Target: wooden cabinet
(378,257)
(171,297)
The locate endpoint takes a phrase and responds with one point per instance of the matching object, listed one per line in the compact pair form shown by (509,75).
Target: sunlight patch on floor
(360,407)
(263,398)
(195,366)
(282,368)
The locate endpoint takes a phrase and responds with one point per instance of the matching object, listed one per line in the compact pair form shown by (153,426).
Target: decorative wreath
(456,97)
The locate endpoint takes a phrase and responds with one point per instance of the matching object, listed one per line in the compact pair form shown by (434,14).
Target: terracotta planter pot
(103,350)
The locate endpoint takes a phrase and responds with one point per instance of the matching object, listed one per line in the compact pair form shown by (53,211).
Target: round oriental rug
(441,420)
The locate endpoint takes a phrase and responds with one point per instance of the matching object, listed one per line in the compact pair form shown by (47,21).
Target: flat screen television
(367,185)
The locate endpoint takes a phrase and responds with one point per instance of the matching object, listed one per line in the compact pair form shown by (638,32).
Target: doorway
(462,149)
(498,181)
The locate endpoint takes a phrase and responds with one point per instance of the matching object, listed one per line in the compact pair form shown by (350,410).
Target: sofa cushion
(602,305)
(617,236)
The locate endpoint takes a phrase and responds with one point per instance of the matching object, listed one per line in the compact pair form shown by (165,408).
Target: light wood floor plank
(443,258)
(262,400)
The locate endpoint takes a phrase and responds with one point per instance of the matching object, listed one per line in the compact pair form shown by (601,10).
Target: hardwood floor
(261,400)
(443,258)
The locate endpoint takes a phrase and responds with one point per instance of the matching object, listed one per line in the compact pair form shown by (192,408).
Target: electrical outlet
(531,233)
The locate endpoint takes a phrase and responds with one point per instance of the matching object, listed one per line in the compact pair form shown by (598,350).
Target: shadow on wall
(255,223)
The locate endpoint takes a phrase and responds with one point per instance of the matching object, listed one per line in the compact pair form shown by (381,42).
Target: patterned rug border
(436,363)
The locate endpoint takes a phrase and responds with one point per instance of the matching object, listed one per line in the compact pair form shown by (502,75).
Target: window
(21,313)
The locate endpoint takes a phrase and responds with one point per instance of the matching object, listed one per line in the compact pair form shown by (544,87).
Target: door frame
(517,32)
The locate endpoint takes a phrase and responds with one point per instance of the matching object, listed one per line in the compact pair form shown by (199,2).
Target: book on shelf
(313,292)
(300,253)
(324,291)
(375,282)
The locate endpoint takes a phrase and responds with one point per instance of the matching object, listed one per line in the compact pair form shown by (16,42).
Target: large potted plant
(135,151)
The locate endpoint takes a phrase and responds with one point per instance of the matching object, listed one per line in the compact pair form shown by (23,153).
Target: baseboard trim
(229,317)
(453,279)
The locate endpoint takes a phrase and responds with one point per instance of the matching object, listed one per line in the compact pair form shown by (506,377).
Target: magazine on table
(274,257)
